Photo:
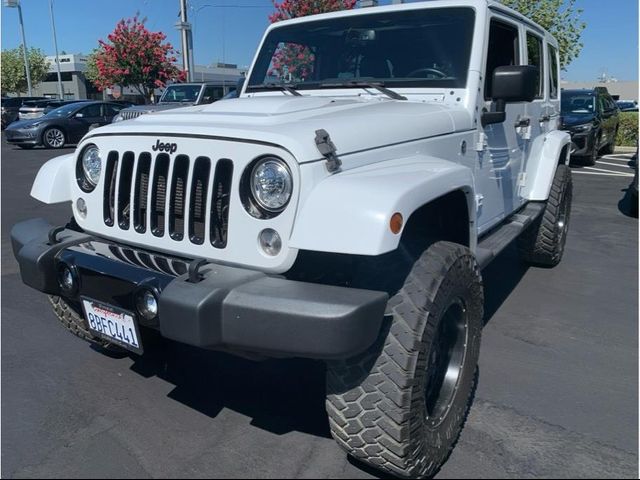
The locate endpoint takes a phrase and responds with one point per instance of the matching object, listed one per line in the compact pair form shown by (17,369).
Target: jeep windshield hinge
(328,150)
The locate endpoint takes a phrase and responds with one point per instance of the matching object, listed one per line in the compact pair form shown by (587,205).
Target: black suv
(591,117)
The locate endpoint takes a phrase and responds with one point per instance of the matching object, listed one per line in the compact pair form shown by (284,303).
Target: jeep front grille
(130,114)
(181,198)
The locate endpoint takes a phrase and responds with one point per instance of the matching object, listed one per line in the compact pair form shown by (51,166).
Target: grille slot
(219,224)
(124,190)
(141,193)
(159,194)
(154,194)
(198,202)
(108,205)
(178,197)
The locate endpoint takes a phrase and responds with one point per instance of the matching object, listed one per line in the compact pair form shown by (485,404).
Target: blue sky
(231,33)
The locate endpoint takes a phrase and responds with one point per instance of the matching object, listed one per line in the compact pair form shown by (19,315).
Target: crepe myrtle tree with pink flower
(132,56)
(292,62)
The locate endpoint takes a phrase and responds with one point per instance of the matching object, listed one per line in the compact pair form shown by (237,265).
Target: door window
(112,110)
(92,111)
(553,72)
(211,94)
(503,50)
(535,58)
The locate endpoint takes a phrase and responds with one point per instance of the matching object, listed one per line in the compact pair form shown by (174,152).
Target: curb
(626,149)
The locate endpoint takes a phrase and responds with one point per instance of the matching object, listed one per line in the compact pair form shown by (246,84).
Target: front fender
(350,212)
(53,182)
(543,160)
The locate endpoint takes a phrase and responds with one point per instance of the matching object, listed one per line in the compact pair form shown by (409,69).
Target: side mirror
(511,84)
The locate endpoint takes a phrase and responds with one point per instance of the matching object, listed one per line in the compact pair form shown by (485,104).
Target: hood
(157,107)
(354,123)
(573,119)
(25,123)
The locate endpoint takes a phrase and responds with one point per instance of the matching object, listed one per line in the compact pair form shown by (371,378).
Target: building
(74,84)
(621,90)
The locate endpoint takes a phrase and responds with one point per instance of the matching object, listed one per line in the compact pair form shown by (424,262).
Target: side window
(92,111)
(535,58)
(553,72)
(211,94)
(112,110)
(503,50)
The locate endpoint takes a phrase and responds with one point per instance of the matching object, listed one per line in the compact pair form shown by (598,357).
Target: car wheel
(401,405)
(542,244)
(53,138)
(611,146)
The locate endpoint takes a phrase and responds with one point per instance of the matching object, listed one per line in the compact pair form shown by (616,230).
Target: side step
(492,243)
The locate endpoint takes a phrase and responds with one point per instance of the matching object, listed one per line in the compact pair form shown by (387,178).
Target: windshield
(180,93)
(63,111)
(374,48)
(578,103)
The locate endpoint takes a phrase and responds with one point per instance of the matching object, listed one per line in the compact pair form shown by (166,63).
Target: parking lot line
(612,164)
(603,174)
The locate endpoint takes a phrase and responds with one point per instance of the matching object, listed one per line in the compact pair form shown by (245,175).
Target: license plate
(113,324)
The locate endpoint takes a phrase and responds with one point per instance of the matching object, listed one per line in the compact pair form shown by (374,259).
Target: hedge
(628,130)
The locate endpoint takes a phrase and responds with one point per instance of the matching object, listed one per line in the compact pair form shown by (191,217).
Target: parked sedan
(62,126)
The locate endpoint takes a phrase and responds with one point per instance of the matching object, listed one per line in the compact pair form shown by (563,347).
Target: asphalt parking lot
(557,393)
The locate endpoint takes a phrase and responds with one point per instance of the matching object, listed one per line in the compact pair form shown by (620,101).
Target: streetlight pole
(14,4)
(187,43)
(55,44)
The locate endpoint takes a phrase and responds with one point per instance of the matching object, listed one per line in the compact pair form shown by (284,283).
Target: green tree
(14,76)
(561,18)
(91,73)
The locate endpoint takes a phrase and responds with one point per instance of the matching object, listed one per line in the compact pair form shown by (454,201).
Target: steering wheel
(434,71)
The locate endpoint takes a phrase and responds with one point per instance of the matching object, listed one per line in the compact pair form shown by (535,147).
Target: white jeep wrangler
(342,209)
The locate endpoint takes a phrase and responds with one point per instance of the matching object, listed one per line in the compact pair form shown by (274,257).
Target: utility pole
(16,4)
(187,42)
(55,44)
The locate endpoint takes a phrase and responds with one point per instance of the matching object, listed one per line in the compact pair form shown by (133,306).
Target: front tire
(542,244)
(400,406)
(53,138)
(71,318)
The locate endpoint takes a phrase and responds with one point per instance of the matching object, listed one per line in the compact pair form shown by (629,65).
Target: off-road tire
(73,321)
(542,244)
(377,402)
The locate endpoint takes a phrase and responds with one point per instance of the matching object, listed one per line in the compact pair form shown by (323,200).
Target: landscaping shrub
(628,130)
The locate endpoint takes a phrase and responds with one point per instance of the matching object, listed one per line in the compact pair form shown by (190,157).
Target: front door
(501,164)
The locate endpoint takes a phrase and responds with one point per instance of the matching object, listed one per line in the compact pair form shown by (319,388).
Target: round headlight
(91,164)
(271,184)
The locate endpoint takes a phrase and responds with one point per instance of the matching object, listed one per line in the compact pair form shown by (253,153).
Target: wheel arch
(546,154)
(350,212)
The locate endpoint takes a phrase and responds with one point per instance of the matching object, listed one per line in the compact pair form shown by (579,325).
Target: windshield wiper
(379,86)
(277,86)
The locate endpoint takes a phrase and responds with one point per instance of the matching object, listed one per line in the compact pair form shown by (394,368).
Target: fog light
(147,305)
(81,205)
(66,280)
(270,242)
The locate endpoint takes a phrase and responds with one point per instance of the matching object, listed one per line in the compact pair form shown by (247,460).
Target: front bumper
(227,308)
(22,137)
(581,142)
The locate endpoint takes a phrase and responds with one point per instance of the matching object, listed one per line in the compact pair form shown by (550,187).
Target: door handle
(544,118)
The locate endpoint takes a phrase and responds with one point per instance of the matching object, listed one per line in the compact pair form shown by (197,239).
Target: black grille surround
(181,198)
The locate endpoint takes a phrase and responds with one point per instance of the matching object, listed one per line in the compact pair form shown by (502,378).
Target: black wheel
(71,317)
(26,147)
(591,159)
(543,242)
(611,146)
(400,406)
(53,138)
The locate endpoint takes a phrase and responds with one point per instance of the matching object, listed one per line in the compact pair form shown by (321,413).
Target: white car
(341,209)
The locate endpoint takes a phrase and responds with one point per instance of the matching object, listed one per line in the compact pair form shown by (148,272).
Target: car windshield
(63,111)
(180,94)
(373,48)
(578,103)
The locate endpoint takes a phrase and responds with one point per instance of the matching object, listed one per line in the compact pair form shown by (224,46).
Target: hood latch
(328,150)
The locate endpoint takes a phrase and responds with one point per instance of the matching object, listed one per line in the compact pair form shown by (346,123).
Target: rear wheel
(53,138)
(543,242)
(611,146)
(401,405)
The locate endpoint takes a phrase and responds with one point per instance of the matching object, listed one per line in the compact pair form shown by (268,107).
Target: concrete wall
(626,90)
